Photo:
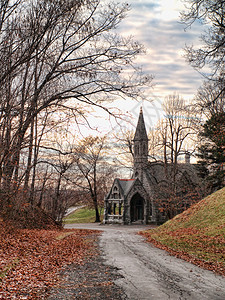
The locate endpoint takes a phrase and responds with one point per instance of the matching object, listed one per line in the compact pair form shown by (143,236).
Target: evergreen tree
(211,164)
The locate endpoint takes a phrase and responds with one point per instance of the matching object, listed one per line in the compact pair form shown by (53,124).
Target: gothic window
(114,208)
(120,209)
(109,208)
(143,148)
(136,150)
(150,210)
(116,194)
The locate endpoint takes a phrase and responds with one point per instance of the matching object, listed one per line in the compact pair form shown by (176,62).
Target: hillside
(196,235)
(82,215)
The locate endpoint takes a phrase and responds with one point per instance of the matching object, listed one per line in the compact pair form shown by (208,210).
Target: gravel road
(151,273)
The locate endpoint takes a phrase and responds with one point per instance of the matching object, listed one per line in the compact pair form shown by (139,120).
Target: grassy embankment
(196,235)
(82,215)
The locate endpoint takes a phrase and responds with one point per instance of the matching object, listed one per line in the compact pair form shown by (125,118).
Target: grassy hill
(82,215)
(196,235)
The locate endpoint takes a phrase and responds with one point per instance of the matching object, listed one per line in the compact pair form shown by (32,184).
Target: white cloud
(156,24)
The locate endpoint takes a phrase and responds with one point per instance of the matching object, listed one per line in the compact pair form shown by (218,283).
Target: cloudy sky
(156,24)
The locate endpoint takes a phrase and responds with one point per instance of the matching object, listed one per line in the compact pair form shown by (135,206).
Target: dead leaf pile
(31,259)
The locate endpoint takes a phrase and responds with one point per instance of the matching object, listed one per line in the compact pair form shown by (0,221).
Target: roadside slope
(197,235)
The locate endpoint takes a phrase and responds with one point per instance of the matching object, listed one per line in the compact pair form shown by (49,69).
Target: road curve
(151,273)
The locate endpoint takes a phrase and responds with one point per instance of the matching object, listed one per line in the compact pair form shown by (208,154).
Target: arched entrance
(137,208)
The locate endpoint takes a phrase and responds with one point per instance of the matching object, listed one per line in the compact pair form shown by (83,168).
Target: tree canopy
(56,57)
(212,153)
(211,51)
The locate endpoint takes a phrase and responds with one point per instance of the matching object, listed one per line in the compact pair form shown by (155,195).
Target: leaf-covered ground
(92,280)
(197,235)
(30,260)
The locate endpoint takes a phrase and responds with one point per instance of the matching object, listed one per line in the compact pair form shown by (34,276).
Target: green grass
(82,215)
(208,215)
(198,231)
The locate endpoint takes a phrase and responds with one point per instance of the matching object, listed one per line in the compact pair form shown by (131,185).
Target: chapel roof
(126,185)
(156,172)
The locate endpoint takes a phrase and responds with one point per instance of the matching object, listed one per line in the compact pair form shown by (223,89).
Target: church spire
(140,144)
(140,133)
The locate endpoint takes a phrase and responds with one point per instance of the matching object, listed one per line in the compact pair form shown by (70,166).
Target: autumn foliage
(197,235)
(30,260)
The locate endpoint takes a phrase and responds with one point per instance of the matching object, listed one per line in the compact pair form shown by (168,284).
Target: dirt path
(91,280)
(150,273)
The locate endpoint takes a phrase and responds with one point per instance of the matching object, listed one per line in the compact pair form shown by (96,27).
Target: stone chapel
(133,201)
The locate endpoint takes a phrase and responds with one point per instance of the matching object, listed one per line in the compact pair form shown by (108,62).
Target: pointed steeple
(140,145)
(140,133)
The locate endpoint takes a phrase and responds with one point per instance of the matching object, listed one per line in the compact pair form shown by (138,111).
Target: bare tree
(209,99)
(208,58)
(56,54)
(92,170)
(175,137)
(122,149)
(211,52)
(176,129)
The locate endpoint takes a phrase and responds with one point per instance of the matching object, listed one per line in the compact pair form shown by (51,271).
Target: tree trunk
(97,215)
(30,152)
(42,188)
